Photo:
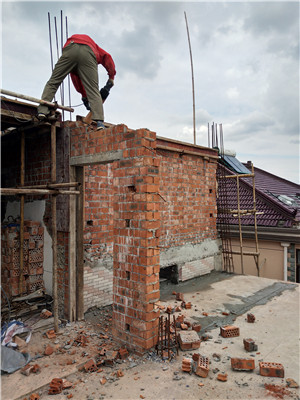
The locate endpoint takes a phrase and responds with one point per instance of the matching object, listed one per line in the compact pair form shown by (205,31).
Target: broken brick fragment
(34,396)
(229,331)
(184,327)
(169,310)
(196,327)
(291,383)
(249,345)
(90,366)
(123,353)
(274,370)
(120,373)
(222,377)
(48,350)
(103,381)
(46,314)
(250,318)
(51,334)
(179,297)
(56,386)
(242,364)
(69,396)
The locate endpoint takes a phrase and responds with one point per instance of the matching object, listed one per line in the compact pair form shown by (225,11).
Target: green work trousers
(80,59)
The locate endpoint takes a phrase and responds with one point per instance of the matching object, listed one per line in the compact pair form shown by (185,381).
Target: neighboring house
(278,222)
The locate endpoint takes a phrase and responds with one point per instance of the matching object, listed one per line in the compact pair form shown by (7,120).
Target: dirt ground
(217,300)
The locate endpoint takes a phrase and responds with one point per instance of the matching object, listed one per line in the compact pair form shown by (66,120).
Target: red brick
(271,369)
(186,365)
(188,340)
(250,318)
(222,377)
(242,364)
(202,366)
(229,331)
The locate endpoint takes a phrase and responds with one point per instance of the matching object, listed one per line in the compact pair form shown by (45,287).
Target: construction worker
(80,57)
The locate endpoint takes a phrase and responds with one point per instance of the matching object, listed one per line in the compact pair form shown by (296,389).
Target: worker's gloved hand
(104,92)
(86,103)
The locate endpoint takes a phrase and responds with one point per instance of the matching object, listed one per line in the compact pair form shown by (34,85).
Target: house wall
(271,259)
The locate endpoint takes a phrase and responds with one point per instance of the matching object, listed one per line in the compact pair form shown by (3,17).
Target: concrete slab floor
(275,305)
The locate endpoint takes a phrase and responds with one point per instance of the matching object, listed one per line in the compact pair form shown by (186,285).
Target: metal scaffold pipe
(34,100)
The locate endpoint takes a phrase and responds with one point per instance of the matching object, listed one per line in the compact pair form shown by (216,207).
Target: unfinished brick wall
(188,213)
(136,220)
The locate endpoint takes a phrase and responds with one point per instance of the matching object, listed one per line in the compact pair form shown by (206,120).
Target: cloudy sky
(245,57)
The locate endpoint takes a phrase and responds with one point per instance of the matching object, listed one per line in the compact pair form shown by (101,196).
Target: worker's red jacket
(102,58)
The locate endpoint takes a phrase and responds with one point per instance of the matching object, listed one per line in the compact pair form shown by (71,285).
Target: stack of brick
(33,256)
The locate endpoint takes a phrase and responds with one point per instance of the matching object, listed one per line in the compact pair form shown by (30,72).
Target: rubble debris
(81,340)
(9,330)
(51,334)
(55,386)
(120,373)
(229,331)
(188,340)
(90,366)
(34,396)
(67,384)
(170,310)
(179,297)
(291,383)
(250,318)
(250,345)
(103,381)
(46,314)
(28,369)
(222,377)
(242,364)
(216,357)
(185,305)
(123,353)
(187,365)
(202,366)
(110,357)
(196,327)
(48,350)
(277,391)
(275,370)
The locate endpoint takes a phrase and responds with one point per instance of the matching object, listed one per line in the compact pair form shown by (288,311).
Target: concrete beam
(99,158)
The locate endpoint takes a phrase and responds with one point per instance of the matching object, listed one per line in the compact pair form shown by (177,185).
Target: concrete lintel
(99,158)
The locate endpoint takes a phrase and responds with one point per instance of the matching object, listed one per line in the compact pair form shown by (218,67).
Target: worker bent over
(80,57)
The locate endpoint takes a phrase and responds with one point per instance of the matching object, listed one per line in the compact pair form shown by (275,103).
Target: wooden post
(22,203)
(54,226)
(256,258)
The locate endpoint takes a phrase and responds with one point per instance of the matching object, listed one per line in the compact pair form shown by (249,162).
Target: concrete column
(285,247)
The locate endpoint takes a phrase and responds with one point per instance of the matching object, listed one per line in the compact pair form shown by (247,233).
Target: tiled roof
(273,209)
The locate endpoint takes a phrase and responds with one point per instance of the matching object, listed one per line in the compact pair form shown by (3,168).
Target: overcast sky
(245,57)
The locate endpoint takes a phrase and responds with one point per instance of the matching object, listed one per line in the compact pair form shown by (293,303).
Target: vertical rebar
(193,86)
(69,86)
(62,43)
(169,342)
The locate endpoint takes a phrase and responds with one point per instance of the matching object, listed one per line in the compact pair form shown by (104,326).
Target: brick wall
(135,227)
(188,236)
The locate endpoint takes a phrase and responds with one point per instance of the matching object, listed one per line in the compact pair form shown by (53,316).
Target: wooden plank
(99,158)
(38,192)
